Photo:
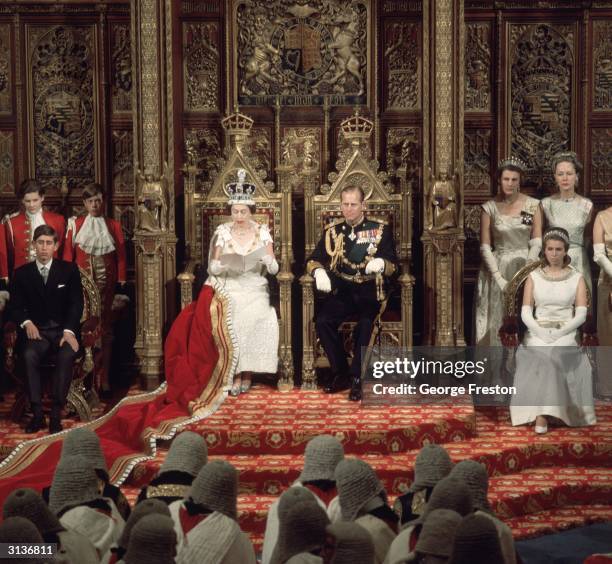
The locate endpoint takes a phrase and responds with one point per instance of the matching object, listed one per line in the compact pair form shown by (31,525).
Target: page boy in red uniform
(96,244)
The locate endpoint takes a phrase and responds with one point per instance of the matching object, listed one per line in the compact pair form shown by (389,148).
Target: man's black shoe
(35,425)
(55,425)
(338,383)
(355,393)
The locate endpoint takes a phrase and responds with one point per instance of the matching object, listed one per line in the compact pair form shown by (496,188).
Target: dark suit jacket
(60,300)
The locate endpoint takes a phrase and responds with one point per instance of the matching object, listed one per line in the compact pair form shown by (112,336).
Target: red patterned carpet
(539,484)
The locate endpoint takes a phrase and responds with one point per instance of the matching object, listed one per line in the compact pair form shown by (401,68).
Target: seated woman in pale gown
(510,235)
(553,374)
(570,210)
(241,252)
(602,255)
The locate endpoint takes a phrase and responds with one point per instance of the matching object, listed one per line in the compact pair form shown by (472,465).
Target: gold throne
(356,168)
(206,208)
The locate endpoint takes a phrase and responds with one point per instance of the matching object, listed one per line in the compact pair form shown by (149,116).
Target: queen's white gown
(254,320)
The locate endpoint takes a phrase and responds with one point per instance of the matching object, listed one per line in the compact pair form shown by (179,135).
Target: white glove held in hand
(501,281)
(270,263)
(322,280)
(489,259)
(215,267)
(535,246)
(540,332)
(573,324)
(600,257)
(374,266)
(119,302)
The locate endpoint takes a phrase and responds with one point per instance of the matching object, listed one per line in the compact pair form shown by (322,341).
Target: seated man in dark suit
(47,303)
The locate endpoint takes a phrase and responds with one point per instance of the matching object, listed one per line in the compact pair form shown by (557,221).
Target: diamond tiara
(512,161)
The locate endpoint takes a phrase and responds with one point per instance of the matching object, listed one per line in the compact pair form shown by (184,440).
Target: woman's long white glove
(573,324)
(270,263)
(600,257)
(535,246)
(535,329)
(215,267)
(491,262)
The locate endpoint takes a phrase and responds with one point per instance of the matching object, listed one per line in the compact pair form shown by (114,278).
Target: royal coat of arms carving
(302,53)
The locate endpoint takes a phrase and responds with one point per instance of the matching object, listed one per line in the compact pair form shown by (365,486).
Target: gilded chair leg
(77,401)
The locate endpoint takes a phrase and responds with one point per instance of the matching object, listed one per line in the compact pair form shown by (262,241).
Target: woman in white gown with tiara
(241,252)
(570,210)
(553,375)
(510,235)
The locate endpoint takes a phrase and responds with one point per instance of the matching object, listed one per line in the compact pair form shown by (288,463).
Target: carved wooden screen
(66,104)
(298,69)
(538,80)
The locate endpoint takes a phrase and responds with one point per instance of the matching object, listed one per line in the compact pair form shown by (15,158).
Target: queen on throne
(241,254)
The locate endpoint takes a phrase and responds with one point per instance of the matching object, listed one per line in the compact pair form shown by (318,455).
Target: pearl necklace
(240,232)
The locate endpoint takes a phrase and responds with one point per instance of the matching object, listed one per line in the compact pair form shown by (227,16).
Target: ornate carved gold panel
(403,154)
(63,103)
(601,161)
(302,146)
(602,65)
(123,162)
(6,79)
(402,56)
(300,53)
(7,169)
(542,98)
(201,66)
(478,67)
(203,149)
(121,68)
(477,154)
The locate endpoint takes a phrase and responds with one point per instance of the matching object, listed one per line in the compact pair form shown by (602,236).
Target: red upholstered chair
(82,385)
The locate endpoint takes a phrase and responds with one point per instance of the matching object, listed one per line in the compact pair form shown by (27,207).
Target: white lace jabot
(94,238)
(36,220)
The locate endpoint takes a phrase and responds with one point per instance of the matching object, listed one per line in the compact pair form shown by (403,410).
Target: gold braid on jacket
(336,249)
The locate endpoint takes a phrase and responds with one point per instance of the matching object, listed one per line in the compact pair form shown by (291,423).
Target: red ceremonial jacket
(74,253)
(16,240)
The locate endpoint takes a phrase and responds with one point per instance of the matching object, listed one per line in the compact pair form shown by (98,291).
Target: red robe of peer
(16,240)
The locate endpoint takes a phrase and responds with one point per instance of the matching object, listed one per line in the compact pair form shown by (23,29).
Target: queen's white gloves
(215,267)
(270,263)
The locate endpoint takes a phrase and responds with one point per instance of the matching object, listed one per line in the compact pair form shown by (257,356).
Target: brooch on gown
(526,218)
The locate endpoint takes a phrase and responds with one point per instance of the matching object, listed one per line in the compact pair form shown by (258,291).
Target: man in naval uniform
(350,264)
